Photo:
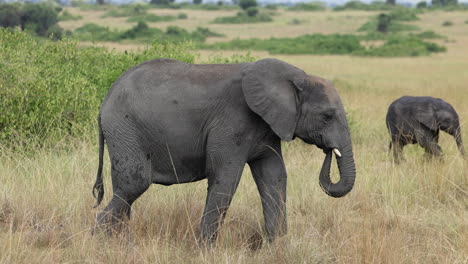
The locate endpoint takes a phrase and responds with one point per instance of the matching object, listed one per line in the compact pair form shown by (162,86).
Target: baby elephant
(412,119)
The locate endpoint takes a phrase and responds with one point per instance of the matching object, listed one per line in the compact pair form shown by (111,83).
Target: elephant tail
(98,188)
(390,146)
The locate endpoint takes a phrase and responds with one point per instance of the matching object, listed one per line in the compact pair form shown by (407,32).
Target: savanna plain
(415,212)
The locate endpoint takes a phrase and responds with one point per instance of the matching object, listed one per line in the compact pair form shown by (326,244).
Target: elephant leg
(428,141)
(223,179)
(130,179)
(270,176)
(398,146)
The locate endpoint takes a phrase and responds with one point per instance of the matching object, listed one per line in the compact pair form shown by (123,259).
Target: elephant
(170,122)
(418,119)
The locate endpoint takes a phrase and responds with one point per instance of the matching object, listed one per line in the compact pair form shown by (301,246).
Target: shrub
(401,46)
(67,16)
(126,10)
(182,16)
(151,18)
(428,35)
(251,11)
(383,23)
(243,18)
(142,33)
(311,6)
(10,15)
(447,23)
(162,2)
(295,21)
(307,44)
(65,83)
(403,14)
(358,5)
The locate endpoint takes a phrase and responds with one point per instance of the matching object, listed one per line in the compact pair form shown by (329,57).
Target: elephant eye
(328,115)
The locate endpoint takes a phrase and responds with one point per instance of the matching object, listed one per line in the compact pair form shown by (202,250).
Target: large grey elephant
(412,119)
(170,122)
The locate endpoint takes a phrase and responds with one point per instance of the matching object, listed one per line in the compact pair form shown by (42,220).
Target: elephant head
(441,115)
(295,104)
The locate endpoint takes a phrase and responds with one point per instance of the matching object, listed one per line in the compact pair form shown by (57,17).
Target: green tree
(383,23)
(197,2)
(422,4)
(162,2)
(245,4)
(444,2)
(10,15)
(391,2)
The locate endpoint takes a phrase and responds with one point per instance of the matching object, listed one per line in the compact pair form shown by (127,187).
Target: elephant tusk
(337,152)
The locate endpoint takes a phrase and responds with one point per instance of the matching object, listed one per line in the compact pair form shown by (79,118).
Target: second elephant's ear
(426,116)
(270,90)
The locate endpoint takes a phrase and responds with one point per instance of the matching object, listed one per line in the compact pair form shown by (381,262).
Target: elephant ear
(269,88)
(426,116)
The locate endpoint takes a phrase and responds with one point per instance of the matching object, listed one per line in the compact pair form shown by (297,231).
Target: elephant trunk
(347,173)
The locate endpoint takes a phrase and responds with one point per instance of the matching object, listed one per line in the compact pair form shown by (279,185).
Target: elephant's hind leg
(130,178)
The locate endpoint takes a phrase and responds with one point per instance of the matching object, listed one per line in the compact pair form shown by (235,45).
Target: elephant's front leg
(270,176)
(223,179)
(428,140)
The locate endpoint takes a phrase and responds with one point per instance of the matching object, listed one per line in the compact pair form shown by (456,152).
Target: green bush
(40,19)
(358,5)
(447,23)
(67,16)
(52,89)
(404,14)
(428,35)
(295,21)
(182,16)
(251,11)
(396,45)
(401,46)
(142,33)
(243,18)
(307,44)
(162,2)
(311,6)
(151,18)
(93,32)
(392,27)
(10,15)
(127,10)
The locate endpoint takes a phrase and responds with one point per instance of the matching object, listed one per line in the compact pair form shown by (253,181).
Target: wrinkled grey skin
(412,120)
(169,122)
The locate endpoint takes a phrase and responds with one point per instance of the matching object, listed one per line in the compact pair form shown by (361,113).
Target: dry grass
(416,212)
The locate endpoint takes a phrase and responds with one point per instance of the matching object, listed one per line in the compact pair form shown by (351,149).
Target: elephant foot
(110,223)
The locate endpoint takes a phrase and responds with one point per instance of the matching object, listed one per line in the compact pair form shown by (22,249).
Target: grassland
(416,212)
